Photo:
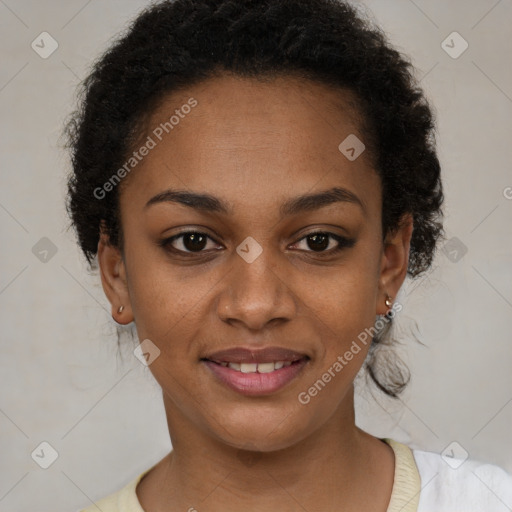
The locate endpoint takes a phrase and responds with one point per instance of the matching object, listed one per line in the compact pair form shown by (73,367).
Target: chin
(266,429)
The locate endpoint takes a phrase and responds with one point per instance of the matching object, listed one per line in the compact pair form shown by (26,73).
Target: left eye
(325,242)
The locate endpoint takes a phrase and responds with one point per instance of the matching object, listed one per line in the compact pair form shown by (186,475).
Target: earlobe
(113,280)
(395,261)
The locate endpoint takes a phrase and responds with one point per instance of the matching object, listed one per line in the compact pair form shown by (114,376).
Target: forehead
(251,138)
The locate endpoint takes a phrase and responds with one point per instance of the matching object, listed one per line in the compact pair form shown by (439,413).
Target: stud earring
(120,310)
(388,301)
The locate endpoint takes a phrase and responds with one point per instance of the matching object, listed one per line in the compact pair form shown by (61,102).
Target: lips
(245,355)
(256,372)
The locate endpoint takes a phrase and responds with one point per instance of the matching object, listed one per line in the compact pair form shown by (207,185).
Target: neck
(336,464)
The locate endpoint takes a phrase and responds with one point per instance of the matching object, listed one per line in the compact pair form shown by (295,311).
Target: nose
(257,293)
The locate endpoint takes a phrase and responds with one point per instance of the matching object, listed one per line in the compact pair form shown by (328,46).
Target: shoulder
(123,500)
(107,504)
(461,484)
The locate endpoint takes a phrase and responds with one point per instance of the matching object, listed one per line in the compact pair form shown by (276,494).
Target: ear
(394,263)
(113,279)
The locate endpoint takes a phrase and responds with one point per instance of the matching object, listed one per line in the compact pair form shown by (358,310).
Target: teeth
(254,367)
(248,367)
(265,367)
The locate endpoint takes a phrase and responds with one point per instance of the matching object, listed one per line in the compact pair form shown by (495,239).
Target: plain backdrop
(62,381)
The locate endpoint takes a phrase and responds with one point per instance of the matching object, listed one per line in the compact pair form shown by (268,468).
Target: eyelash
(343,243)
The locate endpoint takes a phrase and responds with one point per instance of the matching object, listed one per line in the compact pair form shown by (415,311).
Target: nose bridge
(255,292)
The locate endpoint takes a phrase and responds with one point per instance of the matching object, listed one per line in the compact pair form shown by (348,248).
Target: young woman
(255,179)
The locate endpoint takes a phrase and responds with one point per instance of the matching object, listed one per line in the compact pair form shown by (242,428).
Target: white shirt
(471,487)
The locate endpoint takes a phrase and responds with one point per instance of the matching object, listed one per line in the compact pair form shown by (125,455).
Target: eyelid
(343,242)
(168,241)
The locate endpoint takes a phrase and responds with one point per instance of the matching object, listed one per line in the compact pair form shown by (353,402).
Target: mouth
(255,367)
(255,373)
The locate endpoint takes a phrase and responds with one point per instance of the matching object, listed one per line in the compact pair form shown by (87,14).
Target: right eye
(187,242)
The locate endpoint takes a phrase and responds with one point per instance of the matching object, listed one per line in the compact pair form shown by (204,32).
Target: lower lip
(256,384)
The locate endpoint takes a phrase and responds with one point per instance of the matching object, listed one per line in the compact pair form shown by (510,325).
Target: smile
(255,367)
(255,379)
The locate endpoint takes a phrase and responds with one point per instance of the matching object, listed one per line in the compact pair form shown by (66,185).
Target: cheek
(345,300)
(346,314)
(166,312)
(162,302)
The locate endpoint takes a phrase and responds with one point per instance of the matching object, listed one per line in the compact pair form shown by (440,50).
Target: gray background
(61,379)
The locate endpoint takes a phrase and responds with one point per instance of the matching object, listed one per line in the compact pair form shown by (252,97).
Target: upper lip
(263,355)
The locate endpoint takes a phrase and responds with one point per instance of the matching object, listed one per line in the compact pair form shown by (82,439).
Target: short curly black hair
(178,43)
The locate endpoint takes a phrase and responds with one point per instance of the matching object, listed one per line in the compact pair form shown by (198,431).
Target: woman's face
(253,288)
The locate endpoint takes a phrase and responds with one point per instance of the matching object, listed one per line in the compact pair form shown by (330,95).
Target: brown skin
(256,145)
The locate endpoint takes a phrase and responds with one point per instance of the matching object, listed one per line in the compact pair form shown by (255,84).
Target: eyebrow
(302,203)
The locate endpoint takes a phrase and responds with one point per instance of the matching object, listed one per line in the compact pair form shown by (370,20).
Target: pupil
(194,241)
(321,241)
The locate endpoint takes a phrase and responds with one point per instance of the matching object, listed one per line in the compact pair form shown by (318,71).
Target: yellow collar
(407,484)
